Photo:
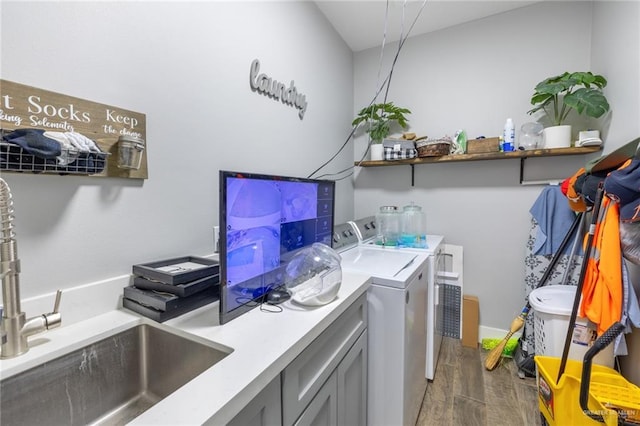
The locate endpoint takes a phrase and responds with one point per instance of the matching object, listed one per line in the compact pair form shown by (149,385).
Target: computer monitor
(264,221)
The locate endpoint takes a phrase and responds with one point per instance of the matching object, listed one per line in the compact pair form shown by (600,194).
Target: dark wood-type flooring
(464,393)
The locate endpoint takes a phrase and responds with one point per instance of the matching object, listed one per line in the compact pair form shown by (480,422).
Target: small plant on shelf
(380,118)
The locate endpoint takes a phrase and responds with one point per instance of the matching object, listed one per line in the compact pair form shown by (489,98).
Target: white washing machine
(397,302)
(366,232)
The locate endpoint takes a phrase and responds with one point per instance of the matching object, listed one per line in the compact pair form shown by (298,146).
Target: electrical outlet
(216,239)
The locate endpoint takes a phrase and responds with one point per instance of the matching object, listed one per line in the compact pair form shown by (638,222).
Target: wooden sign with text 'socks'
(33,119)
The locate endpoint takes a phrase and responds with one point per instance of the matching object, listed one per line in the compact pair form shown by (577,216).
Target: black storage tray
(189,303)
(179,270)
(182,290)
(160,300)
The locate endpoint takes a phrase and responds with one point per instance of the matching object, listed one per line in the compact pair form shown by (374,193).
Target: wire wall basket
(14,158)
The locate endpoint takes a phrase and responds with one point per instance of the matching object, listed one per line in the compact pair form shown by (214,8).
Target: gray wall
(473,77)
(186,66)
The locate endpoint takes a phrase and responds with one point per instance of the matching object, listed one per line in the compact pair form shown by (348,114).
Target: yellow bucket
(560,404)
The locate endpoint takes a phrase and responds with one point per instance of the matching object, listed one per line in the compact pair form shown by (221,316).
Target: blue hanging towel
(554,216)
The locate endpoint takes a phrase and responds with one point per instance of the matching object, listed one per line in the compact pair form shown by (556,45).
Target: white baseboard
(485,332)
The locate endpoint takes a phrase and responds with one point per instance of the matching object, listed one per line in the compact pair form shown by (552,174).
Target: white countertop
(263,344)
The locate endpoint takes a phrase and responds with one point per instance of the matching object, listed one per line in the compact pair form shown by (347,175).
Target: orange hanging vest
(602,293)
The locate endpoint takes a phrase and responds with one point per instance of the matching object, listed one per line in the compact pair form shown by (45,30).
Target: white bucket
(552,305)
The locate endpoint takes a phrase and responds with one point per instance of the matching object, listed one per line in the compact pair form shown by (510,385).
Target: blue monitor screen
(264,221)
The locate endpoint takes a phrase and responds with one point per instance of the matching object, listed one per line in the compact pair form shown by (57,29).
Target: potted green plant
(379,118)
(557,96)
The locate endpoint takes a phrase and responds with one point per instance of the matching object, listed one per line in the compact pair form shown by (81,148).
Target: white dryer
(397,329)
(366,232)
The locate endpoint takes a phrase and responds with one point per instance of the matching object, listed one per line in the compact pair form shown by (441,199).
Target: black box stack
(166,289)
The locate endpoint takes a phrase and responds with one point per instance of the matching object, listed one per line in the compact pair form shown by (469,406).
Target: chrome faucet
(14,327)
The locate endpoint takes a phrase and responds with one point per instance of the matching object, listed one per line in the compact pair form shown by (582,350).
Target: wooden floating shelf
(483,156)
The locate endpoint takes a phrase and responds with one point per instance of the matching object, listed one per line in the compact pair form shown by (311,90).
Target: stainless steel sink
(111,381)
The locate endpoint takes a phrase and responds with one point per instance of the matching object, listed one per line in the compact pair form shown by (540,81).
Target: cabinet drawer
(306,374)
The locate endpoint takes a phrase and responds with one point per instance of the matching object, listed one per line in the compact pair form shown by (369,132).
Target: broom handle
(581,218)
(576,300)
(493,358)
(577,223)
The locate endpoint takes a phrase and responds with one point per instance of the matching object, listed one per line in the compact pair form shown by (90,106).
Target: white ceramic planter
(376,152)
(557,136)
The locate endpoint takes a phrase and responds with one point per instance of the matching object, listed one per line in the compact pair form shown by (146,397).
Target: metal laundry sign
(262,83)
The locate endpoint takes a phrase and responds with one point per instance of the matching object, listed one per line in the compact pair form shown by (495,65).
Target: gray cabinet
(352,385)
(342,400)
(325,385)
(264,410)
(335,363)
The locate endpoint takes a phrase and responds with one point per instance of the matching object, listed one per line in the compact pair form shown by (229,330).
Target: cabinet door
(302,379)
(352,385)
(263,410)
(323,409)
